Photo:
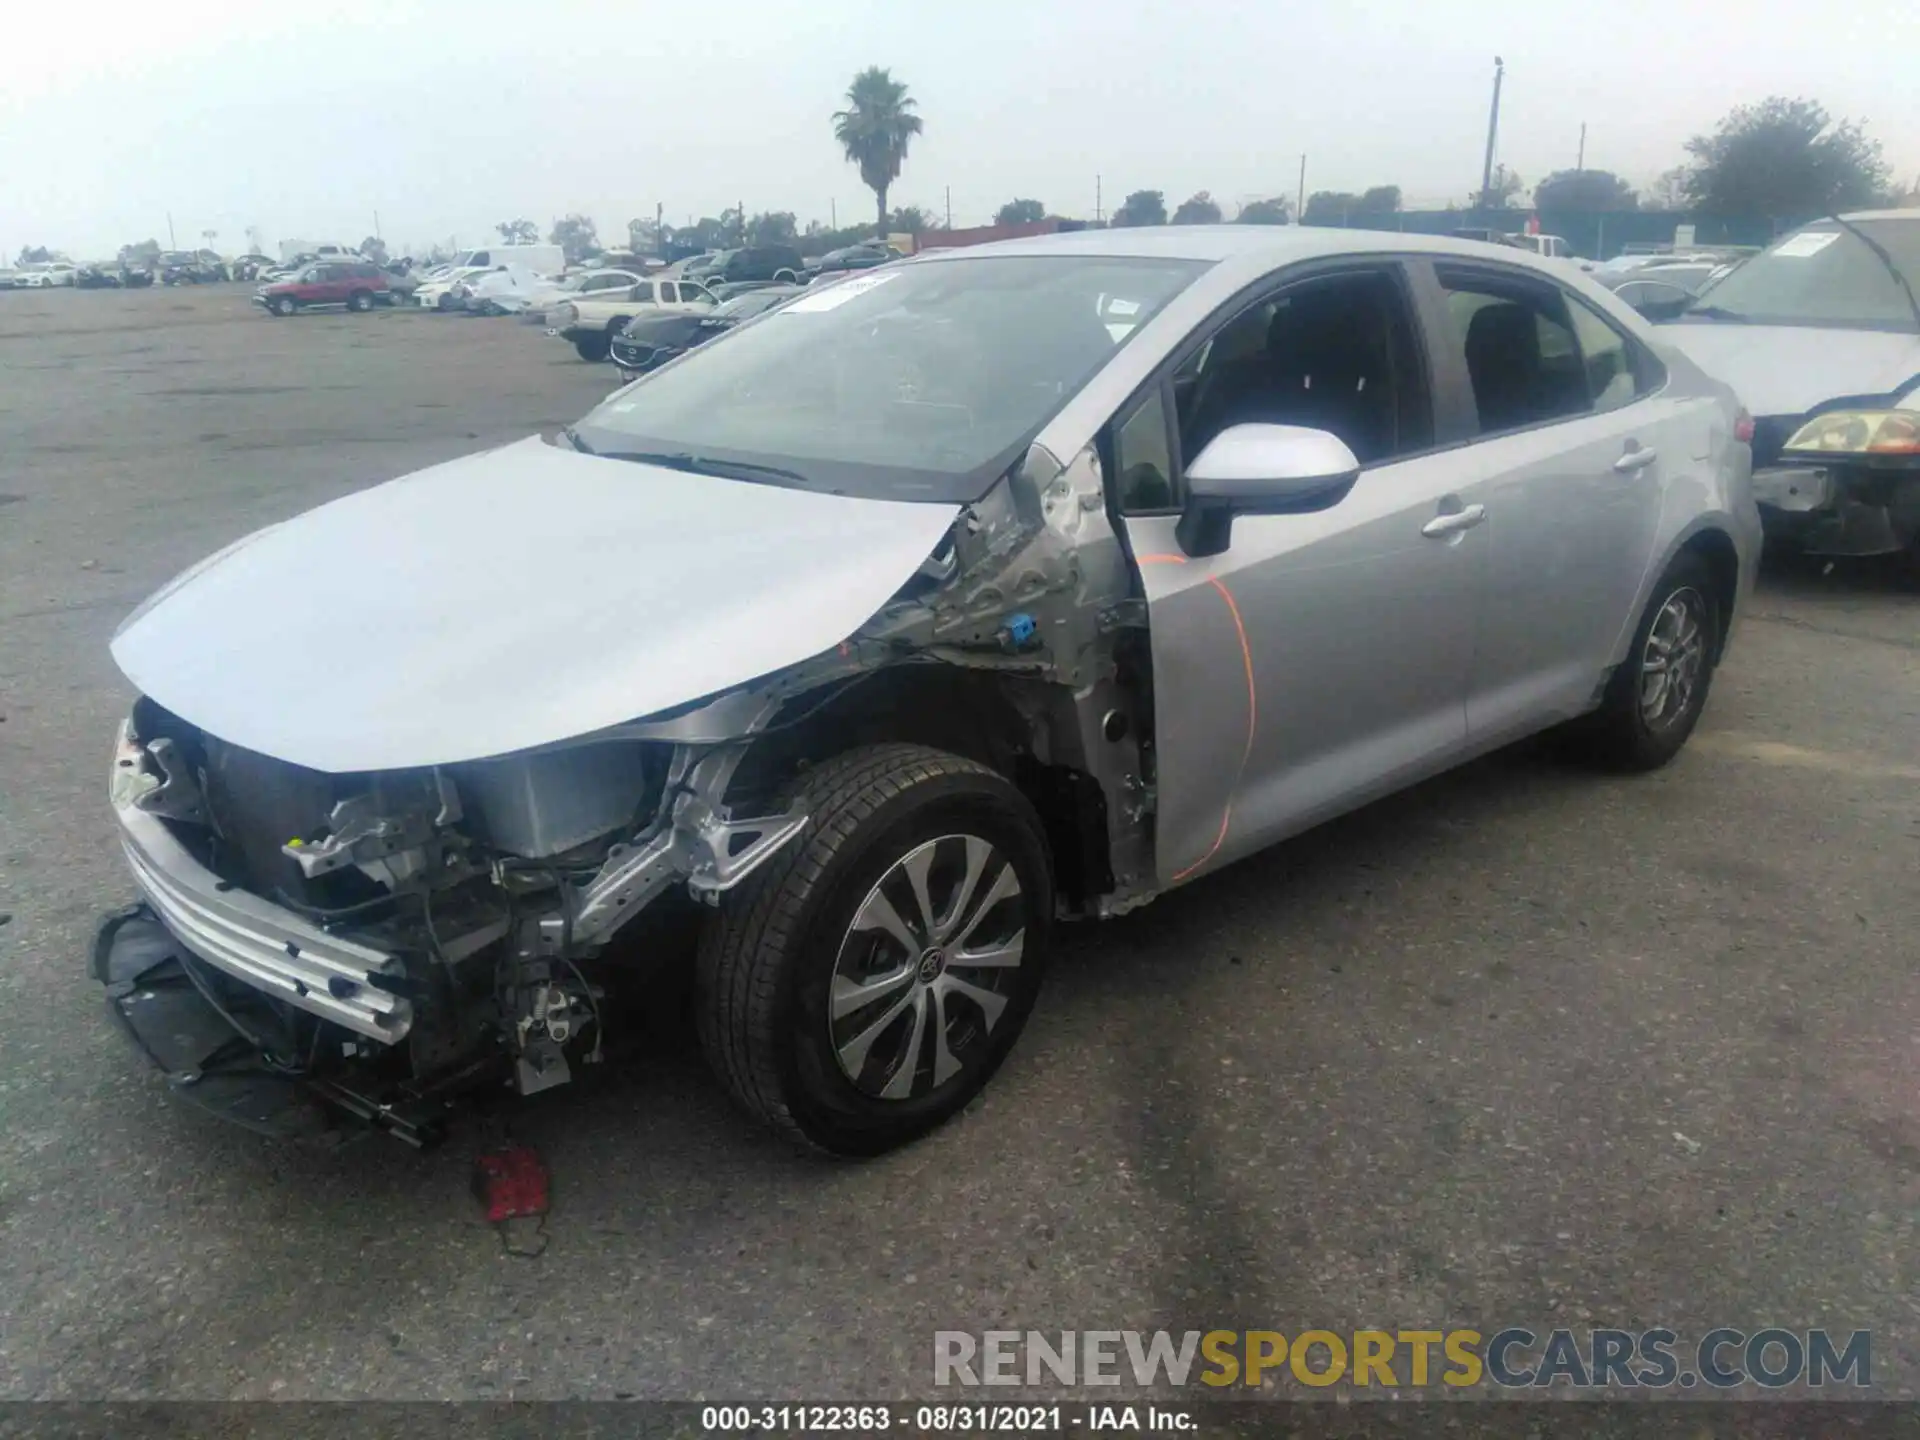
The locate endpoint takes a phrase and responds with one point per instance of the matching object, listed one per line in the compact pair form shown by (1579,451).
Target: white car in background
(44,274)
(436,292)
(501,291)
(559,290)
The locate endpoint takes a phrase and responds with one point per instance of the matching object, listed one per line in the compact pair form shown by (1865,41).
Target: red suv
(355,284)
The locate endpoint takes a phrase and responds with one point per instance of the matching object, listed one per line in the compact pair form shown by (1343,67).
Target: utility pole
(949,207)
(172,244)
(833,214)
(376,228)
(1493,131)
(1099,214)
(1581,163)
(1300,205)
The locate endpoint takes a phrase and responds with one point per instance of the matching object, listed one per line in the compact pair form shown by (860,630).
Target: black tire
(284,305)
(767,961)
(360,301)
(1621,735)
(593,347)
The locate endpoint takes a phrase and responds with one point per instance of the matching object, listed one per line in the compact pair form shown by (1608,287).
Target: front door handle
(1454,521)
(1636,458)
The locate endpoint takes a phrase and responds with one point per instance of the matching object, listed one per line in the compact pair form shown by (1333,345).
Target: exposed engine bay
(393,934)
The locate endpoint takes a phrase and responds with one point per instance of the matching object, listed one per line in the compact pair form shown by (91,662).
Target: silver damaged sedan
(841,657)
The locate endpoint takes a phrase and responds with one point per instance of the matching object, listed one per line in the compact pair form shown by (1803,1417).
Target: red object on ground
(511,1182)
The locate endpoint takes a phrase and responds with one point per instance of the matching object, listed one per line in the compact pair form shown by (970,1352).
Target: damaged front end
(391,938)
(378,943)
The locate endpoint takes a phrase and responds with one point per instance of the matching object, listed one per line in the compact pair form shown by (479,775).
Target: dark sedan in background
(649,341)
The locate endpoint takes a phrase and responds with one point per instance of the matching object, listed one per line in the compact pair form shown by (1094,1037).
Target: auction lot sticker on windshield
(1811,243)
(836,295)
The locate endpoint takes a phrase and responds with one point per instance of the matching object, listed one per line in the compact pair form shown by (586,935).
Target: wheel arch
(1711,538)
(1002,722)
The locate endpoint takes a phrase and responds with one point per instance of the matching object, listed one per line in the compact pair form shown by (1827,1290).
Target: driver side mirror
(1656,299)
(1261,470)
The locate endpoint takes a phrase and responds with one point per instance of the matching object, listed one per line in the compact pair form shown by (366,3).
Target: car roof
(1278,244)
(1909,214)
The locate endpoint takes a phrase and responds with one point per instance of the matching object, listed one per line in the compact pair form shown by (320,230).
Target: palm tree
(875,129)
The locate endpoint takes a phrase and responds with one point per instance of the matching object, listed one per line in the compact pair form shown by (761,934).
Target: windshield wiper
(709,465)
(1715,312)
(573,439)
(1880,254)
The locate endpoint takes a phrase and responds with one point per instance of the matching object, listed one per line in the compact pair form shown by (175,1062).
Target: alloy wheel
(927,967)
(1674,658)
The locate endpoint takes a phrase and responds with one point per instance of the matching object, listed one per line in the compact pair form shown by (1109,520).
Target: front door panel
(1320,661)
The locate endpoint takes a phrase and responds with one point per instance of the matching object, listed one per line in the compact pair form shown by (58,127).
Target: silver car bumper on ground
(257,943)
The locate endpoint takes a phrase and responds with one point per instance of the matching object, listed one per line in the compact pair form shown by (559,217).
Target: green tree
(34,255)
(1669,191)
(1502,194)
(1381,200)
(1786,160)
(1142,207)
(707,233)
(909,220)
(1020,212)
(518,232)
(874,132)
(773,227)
(576,236)
(145,250)
(1584,190)
(1197,209)
(1330,207)
(1263,212)
(375,249)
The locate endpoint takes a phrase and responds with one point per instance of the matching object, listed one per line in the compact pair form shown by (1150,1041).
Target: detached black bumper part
(231,1052)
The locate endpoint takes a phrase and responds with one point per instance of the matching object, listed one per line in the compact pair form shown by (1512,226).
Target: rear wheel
(1656,695)
(360,301)
(285,305)
(593,347)
(865,984)
(784,277)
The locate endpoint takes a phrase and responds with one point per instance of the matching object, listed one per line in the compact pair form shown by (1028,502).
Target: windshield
(922,382)
(1824,276)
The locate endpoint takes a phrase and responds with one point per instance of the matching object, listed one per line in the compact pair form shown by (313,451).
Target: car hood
(660,326)
(1789,369)
(511,599)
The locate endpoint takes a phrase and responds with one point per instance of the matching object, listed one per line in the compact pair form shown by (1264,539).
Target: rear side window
(1609,363)
(1518,345)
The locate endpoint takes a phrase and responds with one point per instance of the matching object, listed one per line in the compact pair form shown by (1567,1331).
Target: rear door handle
(1636,458)
(1454,521)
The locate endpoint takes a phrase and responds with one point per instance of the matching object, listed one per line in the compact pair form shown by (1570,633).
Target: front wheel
(785,277)
(593,347)
(360,301)
(866,982)
(285,305)
(1655,697)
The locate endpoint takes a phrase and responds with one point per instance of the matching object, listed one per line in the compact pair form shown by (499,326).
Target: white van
(540,259)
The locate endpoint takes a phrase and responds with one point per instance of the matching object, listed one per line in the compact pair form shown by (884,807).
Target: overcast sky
(304,119)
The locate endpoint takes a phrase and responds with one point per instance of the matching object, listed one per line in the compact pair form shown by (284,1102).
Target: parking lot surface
(1522,1046)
